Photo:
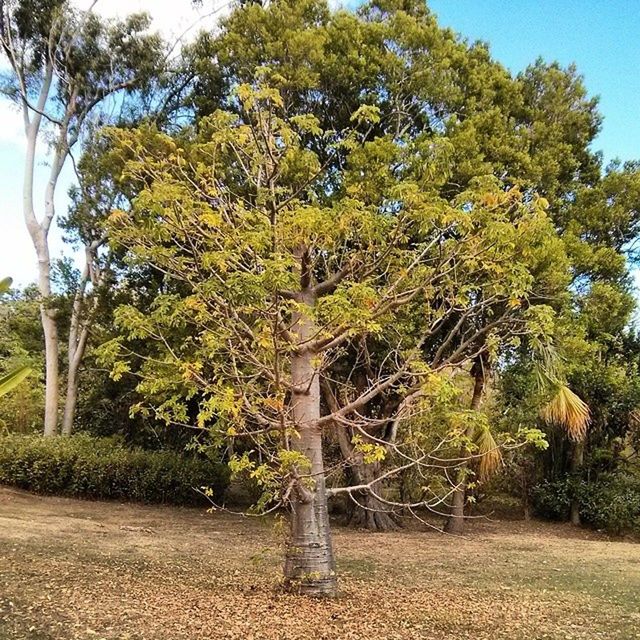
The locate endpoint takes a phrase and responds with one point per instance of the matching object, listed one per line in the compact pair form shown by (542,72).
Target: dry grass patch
(72,569)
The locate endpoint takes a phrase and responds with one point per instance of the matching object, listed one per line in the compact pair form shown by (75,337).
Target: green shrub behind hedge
(83,466)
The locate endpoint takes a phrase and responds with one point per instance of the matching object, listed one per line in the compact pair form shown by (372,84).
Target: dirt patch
(71,569)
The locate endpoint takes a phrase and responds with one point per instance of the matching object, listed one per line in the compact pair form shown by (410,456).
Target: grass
(72,569)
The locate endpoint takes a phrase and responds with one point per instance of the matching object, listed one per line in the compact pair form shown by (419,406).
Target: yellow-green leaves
(366,114)
(370,451)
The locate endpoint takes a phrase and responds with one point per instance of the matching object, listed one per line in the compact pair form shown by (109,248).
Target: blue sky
(601,37)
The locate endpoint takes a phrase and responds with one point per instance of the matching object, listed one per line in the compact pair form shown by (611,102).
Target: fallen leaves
(69,570)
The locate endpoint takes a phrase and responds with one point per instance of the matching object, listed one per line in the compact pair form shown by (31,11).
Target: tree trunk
(577,458)
(78,334)
(365,510)
(39,235)
(70,400)
(51,358)
(455,521)
(50,330)
(309,566)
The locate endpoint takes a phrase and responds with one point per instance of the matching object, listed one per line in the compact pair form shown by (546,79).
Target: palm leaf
(569,411)
(12,379)
(490,458)
(5,285)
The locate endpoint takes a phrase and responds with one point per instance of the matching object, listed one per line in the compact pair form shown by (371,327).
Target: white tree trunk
(309,564)
(50,329)
(39,232)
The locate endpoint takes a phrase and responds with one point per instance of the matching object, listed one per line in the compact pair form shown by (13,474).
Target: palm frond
(546,364)
(568,410)
(489,456)
(12,379)
(5,285)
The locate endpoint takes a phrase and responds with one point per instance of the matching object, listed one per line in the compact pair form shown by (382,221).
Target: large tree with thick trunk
(284,261)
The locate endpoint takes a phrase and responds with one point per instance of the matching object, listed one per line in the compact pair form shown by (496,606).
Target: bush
(83,466)
(552,499)
(611,502)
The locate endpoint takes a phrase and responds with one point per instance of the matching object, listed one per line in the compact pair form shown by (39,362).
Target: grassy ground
(72,569)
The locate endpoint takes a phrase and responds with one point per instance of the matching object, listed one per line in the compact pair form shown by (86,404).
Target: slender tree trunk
(51,378)
(309,566)
(48,318)
(78,335)
(455,521)
(70,402)
(577,458)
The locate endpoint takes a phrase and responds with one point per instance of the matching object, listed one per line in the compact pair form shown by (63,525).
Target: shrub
(611,502)
(552,499)
(83,466)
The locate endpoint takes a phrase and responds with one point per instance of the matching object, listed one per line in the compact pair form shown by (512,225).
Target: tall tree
(284,263)
(64,64)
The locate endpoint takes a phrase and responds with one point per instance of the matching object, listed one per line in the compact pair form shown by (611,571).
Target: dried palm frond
(489,456)
(569,411)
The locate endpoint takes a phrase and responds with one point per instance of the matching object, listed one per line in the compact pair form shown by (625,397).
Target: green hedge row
(102,468)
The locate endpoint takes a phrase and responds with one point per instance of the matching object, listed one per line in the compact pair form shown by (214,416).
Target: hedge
(102,468)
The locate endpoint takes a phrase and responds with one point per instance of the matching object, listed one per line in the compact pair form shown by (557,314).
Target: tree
(64,64)
(426,82)
(284,263)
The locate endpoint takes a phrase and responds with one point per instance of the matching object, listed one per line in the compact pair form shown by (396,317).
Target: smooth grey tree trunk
(309,566)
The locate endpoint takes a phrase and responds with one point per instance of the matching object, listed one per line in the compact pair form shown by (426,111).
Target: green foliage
(610,502)
(90,58)
(613,502)
(102,468)
(21,348)
(12,379)
(360,139)
(552,498)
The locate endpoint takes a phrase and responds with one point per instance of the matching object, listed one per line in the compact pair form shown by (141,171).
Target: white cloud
(172,19)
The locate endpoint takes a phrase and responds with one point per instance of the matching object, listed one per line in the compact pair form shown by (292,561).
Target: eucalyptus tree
(65,64)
